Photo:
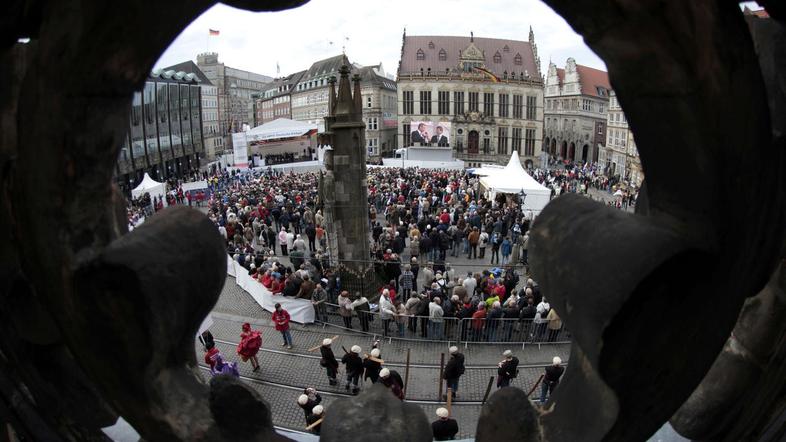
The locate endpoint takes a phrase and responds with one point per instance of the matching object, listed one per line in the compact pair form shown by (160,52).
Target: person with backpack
(353,367)
(328,361)
(453,371)
(250,342)
(507,369)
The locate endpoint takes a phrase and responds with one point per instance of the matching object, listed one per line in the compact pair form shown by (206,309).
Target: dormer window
(443,55)
(517,59)
(506,49)
(421,55)
(497,57)
(601,91)
(431,45)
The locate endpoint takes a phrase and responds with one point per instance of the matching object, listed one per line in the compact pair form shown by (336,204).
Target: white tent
(514,179)
(280,128)
(151,186)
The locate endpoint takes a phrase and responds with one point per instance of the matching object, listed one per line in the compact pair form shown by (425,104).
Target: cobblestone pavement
(287,413)
(284,373)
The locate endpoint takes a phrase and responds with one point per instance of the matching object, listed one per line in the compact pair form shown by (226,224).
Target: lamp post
(522,197)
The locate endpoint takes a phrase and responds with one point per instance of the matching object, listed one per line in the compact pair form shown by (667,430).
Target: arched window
(497,58)
(421,55)
(517,59)
(443,55)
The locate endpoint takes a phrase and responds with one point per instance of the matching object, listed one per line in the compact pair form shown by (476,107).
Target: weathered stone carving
(375,415)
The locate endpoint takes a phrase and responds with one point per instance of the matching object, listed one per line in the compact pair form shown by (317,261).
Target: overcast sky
(298,37)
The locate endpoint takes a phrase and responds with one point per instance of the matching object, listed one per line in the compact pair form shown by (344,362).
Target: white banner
(240,150)
(300,310)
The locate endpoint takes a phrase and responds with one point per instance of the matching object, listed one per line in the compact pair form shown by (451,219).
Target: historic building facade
(309,101)
(275,99)
(379,111)
(213,140)
(235,90)
(481,96)
(576,105)
(164,135)
(619,155)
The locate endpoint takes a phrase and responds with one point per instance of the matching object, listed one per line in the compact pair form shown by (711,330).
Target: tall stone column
(344,189)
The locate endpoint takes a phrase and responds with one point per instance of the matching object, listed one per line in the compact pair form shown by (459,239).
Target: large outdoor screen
(430,133)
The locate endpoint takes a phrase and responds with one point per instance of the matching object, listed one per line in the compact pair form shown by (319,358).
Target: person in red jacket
(210,354)
(281,319)
(250,342)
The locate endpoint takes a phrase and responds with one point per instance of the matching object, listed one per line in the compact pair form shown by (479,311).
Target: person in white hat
(453,371)
(308,400)
(508,369)
(444,428)
(317,413)
(329,361)
(551,378)
(372,367)
(391,382)
(354,368)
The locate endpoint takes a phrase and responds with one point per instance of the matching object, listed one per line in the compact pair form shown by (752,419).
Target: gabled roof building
(481,97)
(576,107)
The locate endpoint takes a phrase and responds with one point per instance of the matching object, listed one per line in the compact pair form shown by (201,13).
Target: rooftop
(442,52)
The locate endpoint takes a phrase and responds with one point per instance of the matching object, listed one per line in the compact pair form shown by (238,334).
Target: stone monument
(343,187)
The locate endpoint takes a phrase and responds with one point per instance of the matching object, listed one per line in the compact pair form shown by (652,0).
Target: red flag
(213,32)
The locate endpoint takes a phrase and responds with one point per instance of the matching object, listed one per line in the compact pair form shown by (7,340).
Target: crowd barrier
(300,310)
(503,330)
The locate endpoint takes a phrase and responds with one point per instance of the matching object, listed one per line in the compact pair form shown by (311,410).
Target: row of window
(574,104)
(443,56)
(502,109)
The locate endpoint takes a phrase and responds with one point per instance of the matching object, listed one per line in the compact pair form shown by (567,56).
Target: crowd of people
(419,220)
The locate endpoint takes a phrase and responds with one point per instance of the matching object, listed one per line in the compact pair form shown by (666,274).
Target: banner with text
(240,150)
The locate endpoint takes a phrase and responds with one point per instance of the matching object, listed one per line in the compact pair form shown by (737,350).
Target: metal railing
(453,329)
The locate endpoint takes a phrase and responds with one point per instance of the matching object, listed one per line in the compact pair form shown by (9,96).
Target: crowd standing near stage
(419,219)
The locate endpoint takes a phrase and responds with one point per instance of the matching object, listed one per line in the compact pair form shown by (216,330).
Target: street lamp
(522,197)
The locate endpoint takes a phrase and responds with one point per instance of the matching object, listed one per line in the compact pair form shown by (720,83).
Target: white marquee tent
(514,179)
(279,128)
(151,186)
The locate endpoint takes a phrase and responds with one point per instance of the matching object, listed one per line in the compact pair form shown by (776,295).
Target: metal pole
(535,386)
(406,375)
(488,389)
(441,371)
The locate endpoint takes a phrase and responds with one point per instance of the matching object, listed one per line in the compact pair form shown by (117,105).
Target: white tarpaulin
(196,185)
(514,179)
(280,128)
(300,310)
(151,186)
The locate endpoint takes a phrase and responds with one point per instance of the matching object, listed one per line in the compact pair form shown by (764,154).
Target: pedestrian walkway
(284,373)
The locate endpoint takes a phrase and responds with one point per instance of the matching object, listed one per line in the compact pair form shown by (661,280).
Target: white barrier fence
(300,310)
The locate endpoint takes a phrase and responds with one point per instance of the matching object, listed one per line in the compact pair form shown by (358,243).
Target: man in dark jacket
(329,361)
(453,370)
(371,366)
(551,378)
(444,428)
(508,369)
(354,368)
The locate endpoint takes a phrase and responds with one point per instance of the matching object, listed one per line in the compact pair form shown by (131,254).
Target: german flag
(489,74)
